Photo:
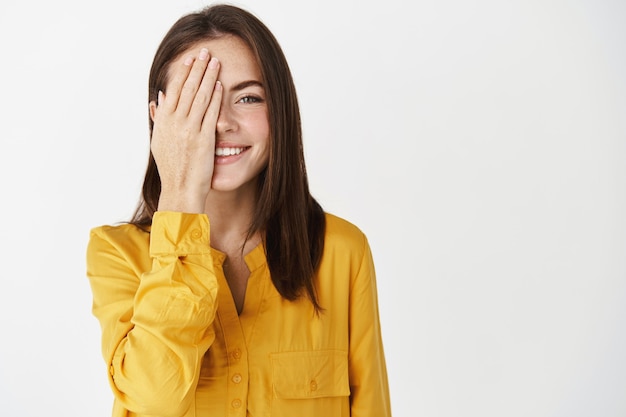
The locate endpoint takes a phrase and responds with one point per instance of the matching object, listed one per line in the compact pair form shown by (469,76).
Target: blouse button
(313,385)
(236,353)
(236,378)
(236,403)
(196,234)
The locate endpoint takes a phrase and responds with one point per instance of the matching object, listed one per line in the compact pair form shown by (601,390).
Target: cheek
(259,124)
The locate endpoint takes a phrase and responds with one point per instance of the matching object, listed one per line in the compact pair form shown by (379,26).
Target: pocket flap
(310,374)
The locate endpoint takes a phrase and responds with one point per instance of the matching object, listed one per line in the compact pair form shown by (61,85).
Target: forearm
(155,334)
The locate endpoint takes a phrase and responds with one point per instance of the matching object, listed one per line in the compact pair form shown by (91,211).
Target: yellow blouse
(175,345)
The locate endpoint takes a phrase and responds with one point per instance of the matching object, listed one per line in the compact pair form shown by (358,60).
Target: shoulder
(346,257)
(342,234)
(118,233)
(115,249)
(125,239)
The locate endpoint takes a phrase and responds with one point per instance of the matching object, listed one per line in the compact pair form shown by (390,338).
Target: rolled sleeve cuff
(179,234)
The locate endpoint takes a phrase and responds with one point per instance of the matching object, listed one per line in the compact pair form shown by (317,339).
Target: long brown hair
(292,220)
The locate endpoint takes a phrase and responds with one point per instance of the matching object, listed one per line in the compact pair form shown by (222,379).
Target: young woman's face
(242,131)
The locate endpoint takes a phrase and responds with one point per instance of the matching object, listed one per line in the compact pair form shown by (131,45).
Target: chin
(232,184)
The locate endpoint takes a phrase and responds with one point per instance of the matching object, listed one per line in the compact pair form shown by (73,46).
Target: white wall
(480,145)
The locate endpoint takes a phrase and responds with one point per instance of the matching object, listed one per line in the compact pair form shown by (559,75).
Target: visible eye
(250,100)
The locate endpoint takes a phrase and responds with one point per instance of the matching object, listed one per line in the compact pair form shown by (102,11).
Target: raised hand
(183,136)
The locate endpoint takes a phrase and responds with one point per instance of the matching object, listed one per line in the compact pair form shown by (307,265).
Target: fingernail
(204,53)
(188,60)
(213,63)
(218,85)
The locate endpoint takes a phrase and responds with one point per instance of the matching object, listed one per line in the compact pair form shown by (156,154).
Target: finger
(205,92)
(192,83)
(169,100)
(209,122)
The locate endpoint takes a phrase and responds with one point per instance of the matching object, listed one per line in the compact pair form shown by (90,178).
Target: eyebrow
(245,84)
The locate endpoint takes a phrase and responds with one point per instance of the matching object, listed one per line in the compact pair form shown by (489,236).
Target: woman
(231,292)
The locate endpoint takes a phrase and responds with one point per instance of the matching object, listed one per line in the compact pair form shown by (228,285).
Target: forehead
(237,61)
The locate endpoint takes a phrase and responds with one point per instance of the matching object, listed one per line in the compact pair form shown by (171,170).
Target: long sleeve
(155,313)
(368,375)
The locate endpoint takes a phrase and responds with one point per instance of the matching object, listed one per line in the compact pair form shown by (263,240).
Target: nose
(226,120)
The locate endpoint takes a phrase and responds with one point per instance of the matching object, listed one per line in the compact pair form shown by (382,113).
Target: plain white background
(480,146)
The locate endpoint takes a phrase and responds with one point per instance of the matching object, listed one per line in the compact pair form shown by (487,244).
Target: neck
(230,215)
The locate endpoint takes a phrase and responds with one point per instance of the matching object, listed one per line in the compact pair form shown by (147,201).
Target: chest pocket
(310,374)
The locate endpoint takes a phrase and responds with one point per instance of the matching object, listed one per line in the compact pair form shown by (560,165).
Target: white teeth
(228,151)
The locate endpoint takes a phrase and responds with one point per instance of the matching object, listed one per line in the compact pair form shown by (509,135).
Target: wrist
(180,203)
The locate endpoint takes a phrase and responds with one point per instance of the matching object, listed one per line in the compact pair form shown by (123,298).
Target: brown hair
(293,222)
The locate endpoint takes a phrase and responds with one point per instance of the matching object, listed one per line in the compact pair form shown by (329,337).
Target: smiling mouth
(229,151)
